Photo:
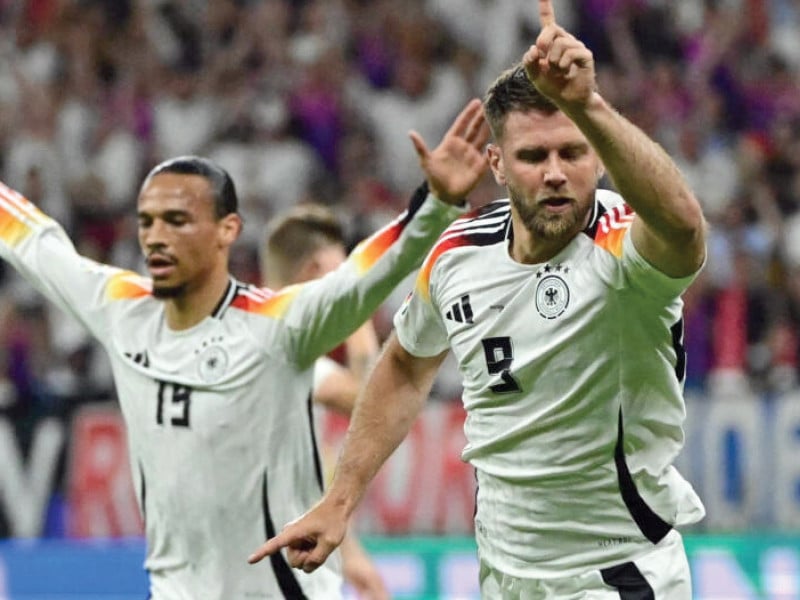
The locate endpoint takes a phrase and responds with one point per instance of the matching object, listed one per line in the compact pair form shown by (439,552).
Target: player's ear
(600,171)
(496,163)
(230,226)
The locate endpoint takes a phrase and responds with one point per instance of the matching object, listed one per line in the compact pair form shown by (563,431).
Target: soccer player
(562,307)
(213,375)
(303,244)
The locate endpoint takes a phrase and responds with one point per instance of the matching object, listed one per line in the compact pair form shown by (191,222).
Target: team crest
(213,362)
(552,297)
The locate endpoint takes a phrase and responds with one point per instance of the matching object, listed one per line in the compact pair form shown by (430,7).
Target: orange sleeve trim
(128,285)
(266,302)
(369,251)
(612,229)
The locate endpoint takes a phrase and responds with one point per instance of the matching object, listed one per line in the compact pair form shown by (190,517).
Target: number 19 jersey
(218,416)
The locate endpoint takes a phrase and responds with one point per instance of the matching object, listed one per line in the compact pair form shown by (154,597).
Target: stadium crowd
(311,100)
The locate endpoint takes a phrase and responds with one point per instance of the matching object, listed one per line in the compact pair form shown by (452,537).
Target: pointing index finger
(270,547)
(547,16)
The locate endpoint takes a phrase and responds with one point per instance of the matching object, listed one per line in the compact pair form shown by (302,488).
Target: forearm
(324,312)
(383,416)
(641,170)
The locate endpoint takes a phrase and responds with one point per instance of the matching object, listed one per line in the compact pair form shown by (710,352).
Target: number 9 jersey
(573,373)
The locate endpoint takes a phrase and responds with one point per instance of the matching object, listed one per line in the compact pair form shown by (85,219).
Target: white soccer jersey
(573,374)
(219,425)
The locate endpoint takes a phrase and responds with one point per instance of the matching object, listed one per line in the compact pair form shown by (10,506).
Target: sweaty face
(178,232)
(550,171)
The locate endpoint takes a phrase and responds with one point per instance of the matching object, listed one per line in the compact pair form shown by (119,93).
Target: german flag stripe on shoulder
(612,227)
(368,251)
(18,216)
(264,301)
(482,227)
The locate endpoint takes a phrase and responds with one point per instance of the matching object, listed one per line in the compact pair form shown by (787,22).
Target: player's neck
(529,249)
(195,303)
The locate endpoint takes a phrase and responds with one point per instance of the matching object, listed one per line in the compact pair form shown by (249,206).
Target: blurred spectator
(313,100)
(425,92)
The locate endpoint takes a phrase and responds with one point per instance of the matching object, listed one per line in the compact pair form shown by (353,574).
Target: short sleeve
(419,326)
(645,277)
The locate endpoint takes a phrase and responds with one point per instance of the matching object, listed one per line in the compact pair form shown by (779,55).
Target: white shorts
(661,574)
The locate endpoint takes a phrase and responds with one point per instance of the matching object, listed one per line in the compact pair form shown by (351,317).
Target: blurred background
(311,100)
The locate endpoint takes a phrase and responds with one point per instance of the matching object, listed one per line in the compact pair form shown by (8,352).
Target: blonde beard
(552,227)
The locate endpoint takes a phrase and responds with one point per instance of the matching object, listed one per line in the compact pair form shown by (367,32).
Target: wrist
(342,499)
(450,200)
(585,110)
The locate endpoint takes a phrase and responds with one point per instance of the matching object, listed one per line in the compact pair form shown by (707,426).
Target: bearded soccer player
(562,307)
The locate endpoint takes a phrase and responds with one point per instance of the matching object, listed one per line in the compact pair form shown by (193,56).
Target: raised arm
(322,313)
(669,229)
(393,397)
(40,251)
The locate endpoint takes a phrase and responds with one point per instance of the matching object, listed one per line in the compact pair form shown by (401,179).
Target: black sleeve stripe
(650,524)
(680,350)
(290,587)
(314,445)
(417,198)
(143,493)
(628,580)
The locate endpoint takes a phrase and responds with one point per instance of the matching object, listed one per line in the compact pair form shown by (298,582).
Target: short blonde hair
(292,237)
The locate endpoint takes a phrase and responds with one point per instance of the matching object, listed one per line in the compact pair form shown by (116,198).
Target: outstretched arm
(455,166)
(320,314)
(39,249)
(669,229)
(394,395)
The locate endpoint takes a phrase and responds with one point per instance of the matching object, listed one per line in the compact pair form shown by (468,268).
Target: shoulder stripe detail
(612,227)
(18,216)
(256,294)
(369,250)
(22,204)
(264,301)
(480,228)
(470,224)
(474,234)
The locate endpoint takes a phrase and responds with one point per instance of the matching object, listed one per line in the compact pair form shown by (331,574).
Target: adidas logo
(460,312)
(140,358)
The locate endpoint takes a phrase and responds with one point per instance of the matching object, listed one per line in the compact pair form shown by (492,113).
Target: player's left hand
(457,164)
(560,65)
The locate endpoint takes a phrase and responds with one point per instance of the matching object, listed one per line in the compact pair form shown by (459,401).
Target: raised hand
(457,164)
(559,64)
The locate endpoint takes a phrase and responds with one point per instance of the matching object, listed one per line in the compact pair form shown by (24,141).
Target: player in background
(212,375)
(562,306)
(302,244)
